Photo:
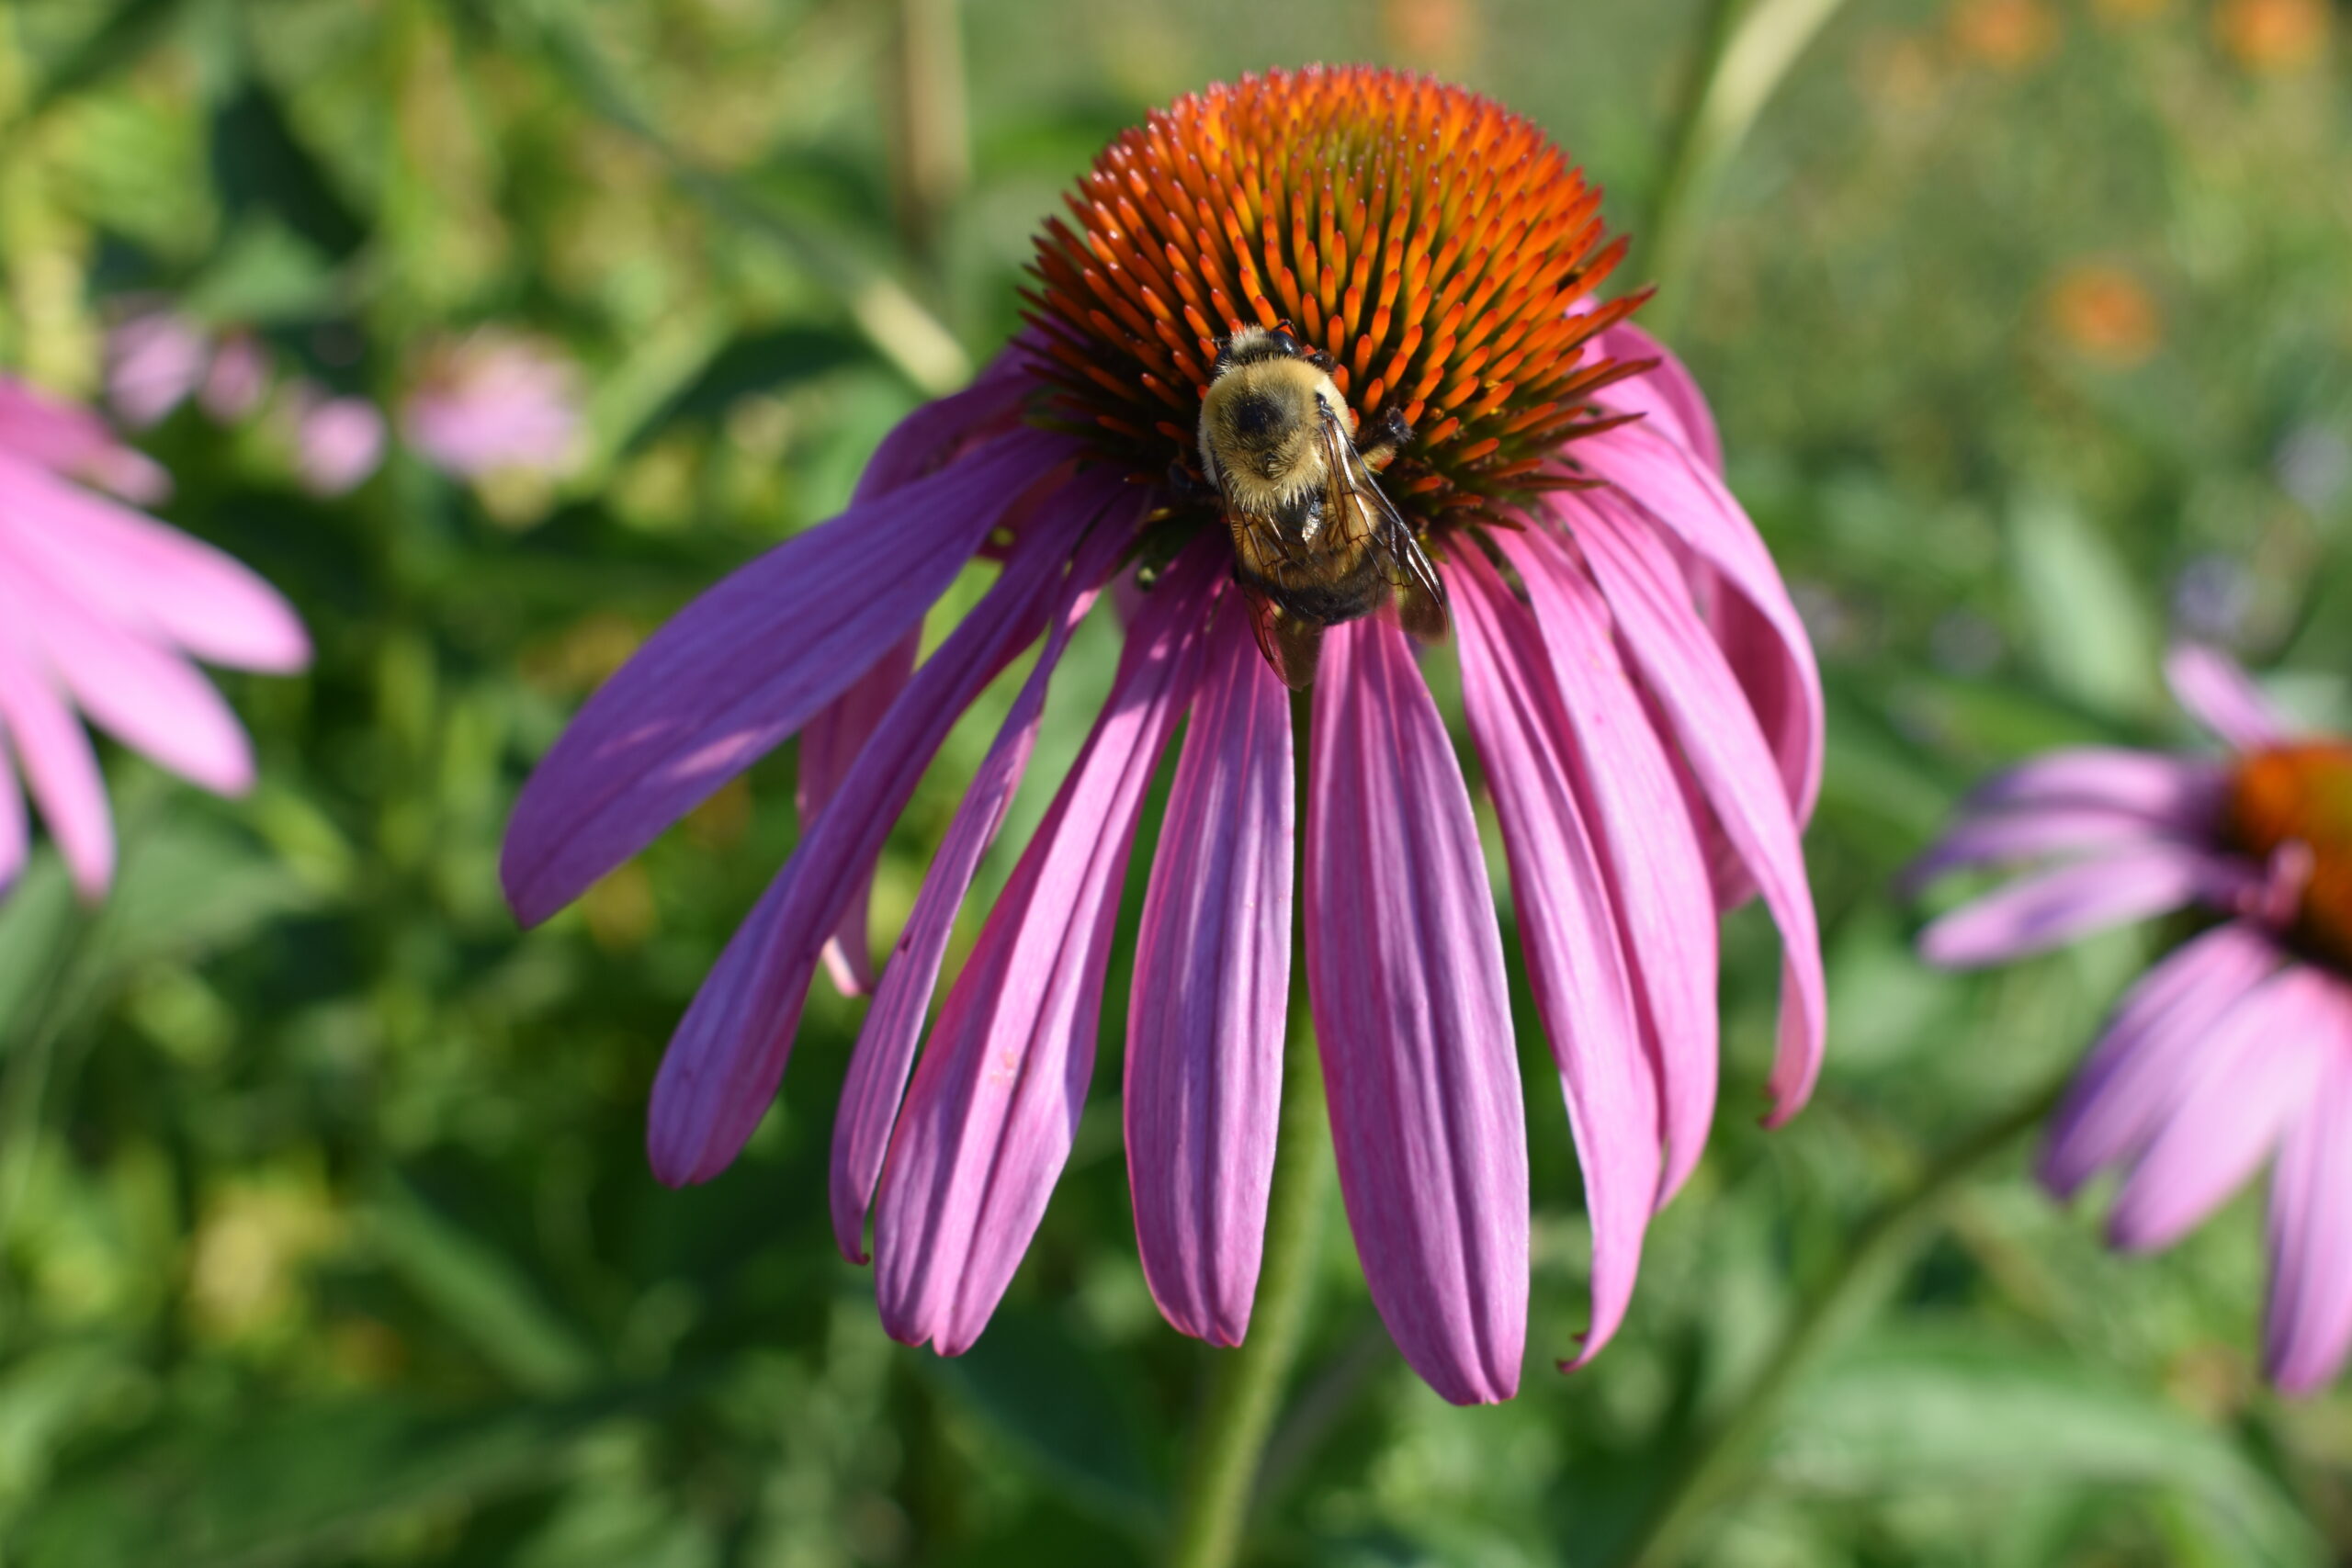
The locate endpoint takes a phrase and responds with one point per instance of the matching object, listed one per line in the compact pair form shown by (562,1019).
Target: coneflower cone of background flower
(2239,1043)
(101,609)
(1639,690)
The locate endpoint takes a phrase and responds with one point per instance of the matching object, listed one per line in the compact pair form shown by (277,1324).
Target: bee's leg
(1187,487)
(1319,359)
(1382,436)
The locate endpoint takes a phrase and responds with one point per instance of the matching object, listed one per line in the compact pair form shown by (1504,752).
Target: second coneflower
(1638,687)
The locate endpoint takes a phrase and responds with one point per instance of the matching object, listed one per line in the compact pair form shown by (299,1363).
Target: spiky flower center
(2303,794)
(1440,248)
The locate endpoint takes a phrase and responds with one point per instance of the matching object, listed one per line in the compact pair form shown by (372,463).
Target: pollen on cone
(1437,246)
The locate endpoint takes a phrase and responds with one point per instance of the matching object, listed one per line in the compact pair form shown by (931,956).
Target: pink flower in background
(1636,683)
(101,609)
(236,380)
(338,442)
(154,360)
(492,403)
(2237,1047)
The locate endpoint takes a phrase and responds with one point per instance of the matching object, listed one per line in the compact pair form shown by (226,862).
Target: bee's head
(1262,419)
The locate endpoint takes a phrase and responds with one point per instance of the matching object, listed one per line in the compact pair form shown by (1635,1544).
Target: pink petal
(2258,1066)
(2308,1326)
(829,743)
(1685,672)
(1764,640)
(2055,908)
(920,443)
(66,439)
(2181,792)
(2216,694)
(60,769)
(152,701)
(1211,985)
(1405,970)
(1567,928)
(886,1046)
(1665,395)
(724,1063)
(2156,1037)
(155,360)
(752,660)
(2031,834)
(1646,830)
(940,431)
(997,1097)
(135,570)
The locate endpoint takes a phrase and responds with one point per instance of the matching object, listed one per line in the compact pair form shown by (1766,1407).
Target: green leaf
(1937,1411)
(480,1292)
(1062,1407)
(2087,625)
(302,1485)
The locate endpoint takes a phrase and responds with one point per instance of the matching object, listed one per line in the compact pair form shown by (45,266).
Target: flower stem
(1214,1512)
(1868,1268)
(1744,49)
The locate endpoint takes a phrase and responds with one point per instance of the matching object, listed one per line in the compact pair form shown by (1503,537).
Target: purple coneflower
(492,402)
(2239,1043)
(100,609)
(1638,684)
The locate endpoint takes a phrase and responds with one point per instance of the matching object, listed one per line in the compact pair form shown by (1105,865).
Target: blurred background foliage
(325,1235)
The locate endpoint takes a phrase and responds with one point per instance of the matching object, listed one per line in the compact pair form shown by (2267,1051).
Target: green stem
(1743,49)
(1867,1270)
(1231,1438)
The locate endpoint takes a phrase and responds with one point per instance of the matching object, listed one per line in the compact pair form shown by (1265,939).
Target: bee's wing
(1356,496)
(1292,648)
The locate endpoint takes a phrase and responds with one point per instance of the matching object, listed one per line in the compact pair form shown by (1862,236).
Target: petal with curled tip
(1683,669)
(1567,928)
(1405,970)
(1647,831)
(886,1045)
(988,1118)
(1203,1096)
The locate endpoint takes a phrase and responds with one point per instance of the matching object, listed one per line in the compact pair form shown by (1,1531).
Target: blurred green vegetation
(325,1235)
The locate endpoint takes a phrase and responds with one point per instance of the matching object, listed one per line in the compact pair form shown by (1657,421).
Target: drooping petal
(1567,928)
(152,700)
(729,1054)
(2143,1058)
(2259,1064)
(2035,833)
(751,660)
(1684,671)
(1405,970)
(1648,834)
(66,438)
(2216,694)
(1205,1021)
(2181,792)
(1765,644)
(829,743)
(2308,1325)
(2037,913)
(61,769)
(136,570)
(886,1046)
(996,1098)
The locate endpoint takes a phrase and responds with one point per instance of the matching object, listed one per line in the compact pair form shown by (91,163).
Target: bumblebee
(1315,542)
